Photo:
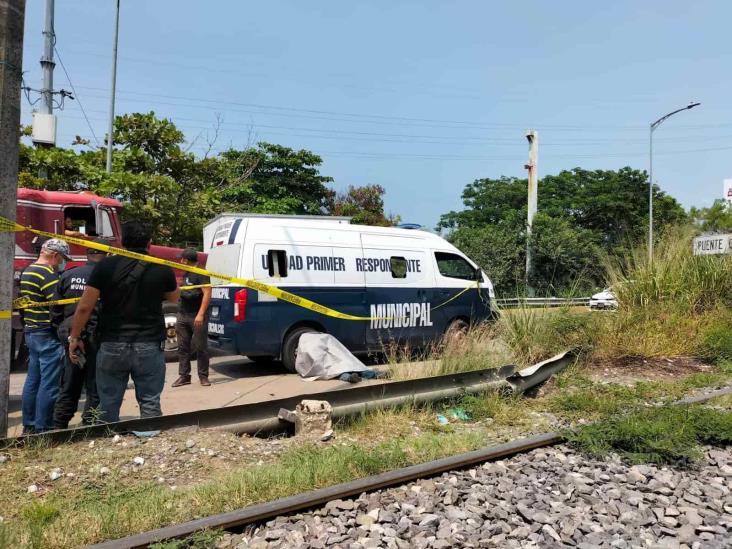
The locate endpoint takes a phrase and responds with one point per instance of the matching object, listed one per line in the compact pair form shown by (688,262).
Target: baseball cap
(189,254)
(57,245)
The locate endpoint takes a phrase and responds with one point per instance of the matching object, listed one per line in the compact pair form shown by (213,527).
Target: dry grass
(478,349)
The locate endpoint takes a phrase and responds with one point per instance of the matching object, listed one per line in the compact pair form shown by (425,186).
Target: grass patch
(668,435)
(578,398)
(716,339)
(533,335)
(667,305)
(478,349)
(504,410)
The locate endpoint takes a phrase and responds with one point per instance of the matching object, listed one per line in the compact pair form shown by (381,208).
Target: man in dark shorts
(191,326)
(131,325)
(74,377)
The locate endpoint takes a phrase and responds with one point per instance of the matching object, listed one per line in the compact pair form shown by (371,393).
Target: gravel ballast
(552,497)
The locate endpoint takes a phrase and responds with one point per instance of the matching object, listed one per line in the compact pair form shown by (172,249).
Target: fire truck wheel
(289,347)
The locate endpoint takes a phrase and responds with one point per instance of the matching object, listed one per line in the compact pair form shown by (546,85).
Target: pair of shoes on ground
(186,380)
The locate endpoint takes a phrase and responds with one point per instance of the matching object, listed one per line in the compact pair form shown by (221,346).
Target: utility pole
(12,19)
(44,121)
(110,130)
(533,193)
(47,63)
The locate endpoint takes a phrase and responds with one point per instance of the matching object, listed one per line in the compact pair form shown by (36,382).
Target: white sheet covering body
(322,356)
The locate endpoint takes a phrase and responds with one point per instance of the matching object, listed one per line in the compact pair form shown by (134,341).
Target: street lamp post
(655,125)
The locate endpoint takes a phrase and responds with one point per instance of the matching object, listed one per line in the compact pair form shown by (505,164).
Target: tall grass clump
(537,334)
(676,280)
(665,304)
(477,349)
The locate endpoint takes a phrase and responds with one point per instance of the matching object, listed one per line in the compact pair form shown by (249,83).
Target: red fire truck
(92,216)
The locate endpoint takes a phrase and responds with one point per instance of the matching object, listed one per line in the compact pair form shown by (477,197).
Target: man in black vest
(191,326)
(75,376)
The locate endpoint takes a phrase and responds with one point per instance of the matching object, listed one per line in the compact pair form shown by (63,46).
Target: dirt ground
(629,370)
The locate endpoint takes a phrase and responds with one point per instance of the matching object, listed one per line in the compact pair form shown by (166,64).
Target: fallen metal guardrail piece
(263,417)
(530,377)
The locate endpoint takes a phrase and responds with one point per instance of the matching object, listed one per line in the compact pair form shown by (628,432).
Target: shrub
(716,340)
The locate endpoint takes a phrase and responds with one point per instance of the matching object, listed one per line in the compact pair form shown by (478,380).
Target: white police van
(398,277)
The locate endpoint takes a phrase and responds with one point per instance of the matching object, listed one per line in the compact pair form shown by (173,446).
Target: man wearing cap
(75,376)
(191,324)
(38,284)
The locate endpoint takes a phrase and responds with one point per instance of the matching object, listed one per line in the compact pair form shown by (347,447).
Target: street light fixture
(655,125)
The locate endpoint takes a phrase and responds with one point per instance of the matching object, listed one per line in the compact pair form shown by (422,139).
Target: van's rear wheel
(456,331)
(289,347)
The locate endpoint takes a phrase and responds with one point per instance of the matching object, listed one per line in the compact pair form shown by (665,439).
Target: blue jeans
(45,364)
(116,362)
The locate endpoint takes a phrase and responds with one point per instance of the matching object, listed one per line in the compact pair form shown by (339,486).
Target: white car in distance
(604,300)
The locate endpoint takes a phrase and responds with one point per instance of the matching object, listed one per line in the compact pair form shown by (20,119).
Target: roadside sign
(713,244)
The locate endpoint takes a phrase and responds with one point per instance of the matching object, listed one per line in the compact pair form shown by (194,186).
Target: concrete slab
(234,380)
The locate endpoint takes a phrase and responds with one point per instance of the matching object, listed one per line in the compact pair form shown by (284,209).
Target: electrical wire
(76,94)
(368,118)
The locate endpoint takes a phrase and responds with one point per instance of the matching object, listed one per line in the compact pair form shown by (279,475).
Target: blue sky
(421,97)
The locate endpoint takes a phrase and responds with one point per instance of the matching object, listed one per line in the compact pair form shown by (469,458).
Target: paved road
(234,380)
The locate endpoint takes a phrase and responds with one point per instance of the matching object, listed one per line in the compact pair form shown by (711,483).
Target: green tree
(715,219)
(364,204)
(163,184)
(581,214)
(281,181)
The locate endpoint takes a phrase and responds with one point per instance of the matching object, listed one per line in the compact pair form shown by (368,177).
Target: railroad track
(259,513)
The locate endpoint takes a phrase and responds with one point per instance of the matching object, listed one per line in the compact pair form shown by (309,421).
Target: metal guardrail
(529,302)
(263,417)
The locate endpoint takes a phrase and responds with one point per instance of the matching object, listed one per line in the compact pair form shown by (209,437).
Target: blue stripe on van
(267,322)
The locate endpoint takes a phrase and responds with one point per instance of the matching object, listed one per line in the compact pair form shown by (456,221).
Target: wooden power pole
(12,19)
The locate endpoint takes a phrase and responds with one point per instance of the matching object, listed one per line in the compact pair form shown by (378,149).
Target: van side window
(454,266)
(398,267)
(277,263)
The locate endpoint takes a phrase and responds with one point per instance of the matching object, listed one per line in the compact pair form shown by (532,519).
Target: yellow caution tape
(283,295)
(25,302)
(477,287)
